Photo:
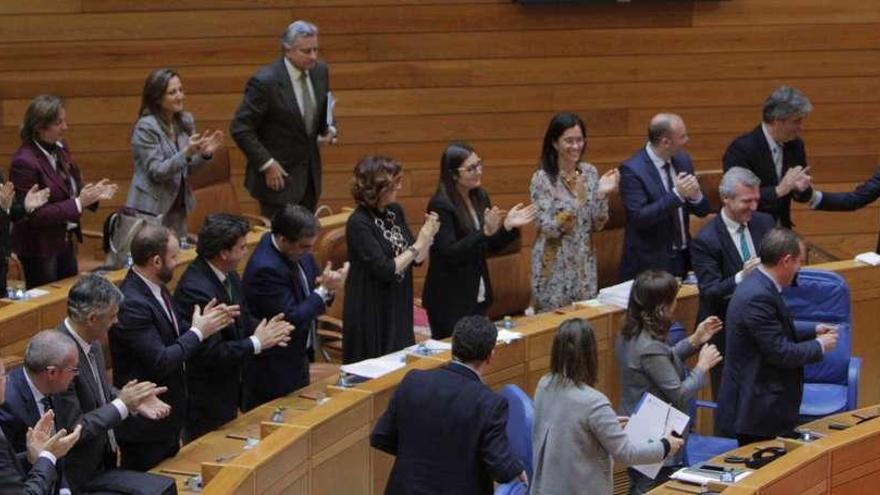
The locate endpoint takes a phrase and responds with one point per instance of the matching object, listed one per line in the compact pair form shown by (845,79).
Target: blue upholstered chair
(520,416)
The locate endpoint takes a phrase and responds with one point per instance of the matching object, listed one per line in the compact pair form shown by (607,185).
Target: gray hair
(47,348)
(660,126)
(296,30)
(734,177)
(784,102)
(92,293)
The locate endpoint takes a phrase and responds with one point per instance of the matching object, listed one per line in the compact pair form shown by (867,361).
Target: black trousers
(143,456)
(309,200)
(41,271)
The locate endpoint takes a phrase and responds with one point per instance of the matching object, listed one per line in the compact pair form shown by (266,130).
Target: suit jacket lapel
(52,174)
(154,303)
(654,174)
(731,251)
(285,88)
(27,399)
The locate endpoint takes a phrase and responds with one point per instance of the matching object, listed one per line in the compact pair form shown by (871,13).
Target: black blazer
(717,260)
(145,346)
(215,372)
(763,378)
(448,432)
(458,261)
(19,411)
(13,478)
(864,194)
(80,405)
(272,284)
(269,124)
(649,230)
(751,151)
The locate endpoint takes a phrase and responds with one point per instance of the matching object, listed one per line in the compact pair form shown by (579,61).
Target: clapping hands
(608,183)
(334,280)
(688,186)
(93,192)
(204,143)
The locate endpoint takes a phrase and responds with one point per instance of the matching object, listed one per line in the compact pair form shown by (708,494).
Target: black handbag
(125,482)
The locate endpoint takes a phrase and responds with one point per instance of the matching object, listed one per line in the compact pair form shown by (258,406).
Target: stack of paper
(376,367)
(508,336)
(870,258)
(616,295)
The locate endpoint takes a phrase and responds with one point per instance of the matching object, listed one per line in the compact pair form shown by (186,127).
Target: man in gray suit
(282,120)
(91,401)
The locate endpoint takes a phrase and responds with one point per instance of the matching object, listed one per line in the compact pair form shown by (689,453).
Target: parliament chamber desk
(840,462)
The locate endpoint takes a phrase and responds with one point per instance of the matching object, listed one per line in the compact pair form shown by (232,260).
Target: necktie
(46,401)
(99,381)
(678,239)
(744,243)
(777,160)
(170,309)
(308,109)
(227,285)
(310,339)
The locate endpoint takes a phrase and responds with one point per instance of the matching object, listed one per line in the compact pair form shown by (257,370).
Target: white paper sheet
(653,419)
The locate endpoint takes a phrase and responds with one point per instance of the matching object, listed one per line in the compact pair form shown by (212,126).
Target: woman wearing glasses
(457,283)
(378,307)
(572,202)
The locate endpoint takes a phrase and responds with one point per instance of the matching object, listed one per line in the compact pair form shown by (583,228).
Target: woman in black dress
(457,284)
(378,310)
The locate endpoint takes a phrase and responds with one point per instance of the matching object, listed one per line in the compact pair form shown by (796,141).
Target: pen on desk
(179,473)
(237,437)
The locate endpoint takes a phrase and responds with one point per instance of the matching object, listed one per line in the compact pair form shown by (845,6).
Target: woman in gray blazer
(576,433)
(166,151)
(649,364)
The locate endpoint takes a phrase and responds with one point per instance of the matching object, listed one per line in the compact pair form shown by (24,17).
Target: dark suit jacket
(145,346)
(80,405)
(864,194)
(717,260)
(269,124)
(44,233)
(458,260)
(448,432)
(272,284)
(19,411)
(215,372)
(763,377)
(13,479)
(751,151)
(650,213)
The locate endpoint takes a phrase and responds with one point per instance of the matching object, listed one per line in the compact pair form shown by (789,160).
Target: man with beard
(149,344)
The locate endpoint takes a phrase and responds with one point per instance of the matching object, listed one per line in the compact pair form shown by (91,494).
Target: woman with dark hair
(576,432)
(166,151)
(457,283)
(46,239)
(572,202)
(649,364)
(378,308)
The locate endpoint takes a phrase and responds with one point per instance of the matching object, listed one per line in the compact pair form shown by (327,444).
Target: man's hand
(803,181)
(134,393)
(38,435)
(828,340)
(688,186)
(275,176)
(60,443)
(273,332)
(213,317)
(153,408)
(334,279)
(750,264)
(789,181)
(524,478)
(328,137)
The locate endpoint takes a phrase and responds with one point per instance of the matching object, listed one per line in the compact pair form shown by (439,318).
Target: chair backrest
(520,416)
(823,297)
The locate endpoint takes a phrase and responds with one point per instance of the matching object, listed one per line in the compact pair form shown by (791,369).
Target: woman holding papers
(457,283)
(649,364)
(167,150)
(576,432)
(378,308)
(572,202)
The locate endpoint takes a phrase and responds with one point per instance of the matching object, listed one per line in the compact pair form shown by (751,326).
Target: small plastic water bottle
(278,415)
(507,324)
(129,261)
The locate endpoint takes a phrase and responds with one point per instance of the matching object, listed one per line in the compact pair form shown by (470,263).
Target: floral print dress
(563,264)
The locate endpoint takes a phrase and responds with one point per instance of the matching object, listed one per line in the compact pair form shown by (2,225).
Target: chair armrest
(706,404)
(257,219)
(852,382)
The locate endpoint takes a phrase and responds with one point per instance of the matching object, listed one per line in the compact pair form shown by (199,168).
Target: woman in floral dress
(572,202)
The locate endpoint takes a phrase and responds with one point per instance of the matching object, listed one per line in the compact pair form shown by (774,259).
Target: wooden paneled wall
(410,75)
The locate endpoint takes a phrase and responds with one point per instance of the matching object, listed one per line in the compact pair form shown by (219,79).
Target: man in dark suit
(90,400)
(282,275)
(863,195)
(151,343)
(282,120)
(726,249)
(44,241)
(446,428)
(215,372)
(43,449)
(775,152)
(764,376)
(659,193)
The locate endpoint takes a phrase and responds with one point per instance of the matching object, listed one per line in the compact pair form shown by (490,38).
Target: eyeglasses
(472,168)
(308,51)
(572,141)
(73,369)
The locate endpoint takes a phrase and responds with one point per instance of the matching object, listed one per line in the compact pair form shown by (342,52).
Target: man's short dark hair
(777,243)
(149,241)
(220,231)
(294,222)
(473,339)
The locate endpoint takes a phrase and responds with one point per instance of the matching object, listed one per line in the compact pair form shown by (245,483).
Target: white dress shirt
(222,277)
(733,231)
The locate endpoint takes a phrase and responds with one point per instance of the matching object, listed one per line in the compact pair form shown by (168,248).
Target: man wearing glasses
(282,120)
